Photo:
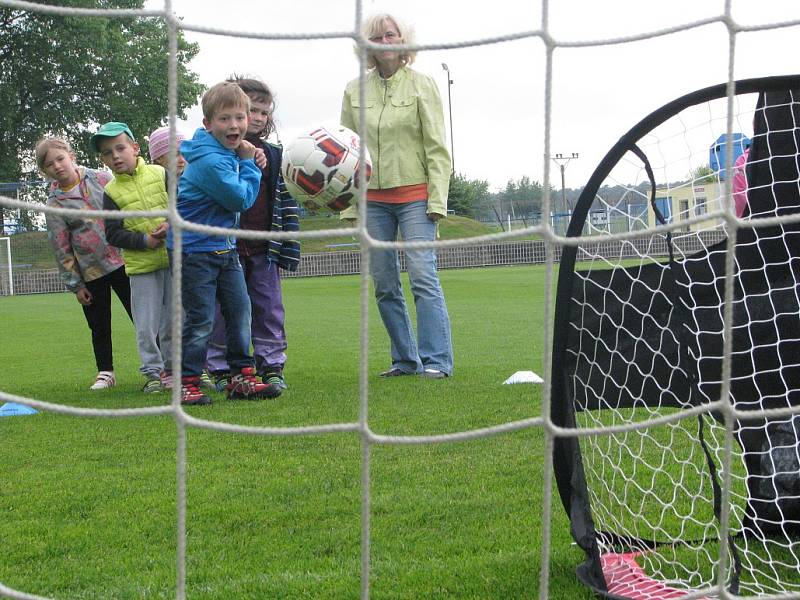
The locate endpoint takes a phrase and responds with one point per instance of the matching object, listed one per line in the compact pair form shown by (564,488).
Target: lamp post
(562,161)
(450,111)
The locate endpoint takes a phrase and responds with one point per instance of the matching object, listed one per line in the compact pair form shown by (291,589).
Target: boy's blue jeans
(208,277)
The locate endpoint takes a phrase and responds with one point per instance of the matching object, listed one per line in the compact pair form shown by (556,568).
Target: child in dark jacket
(274,210)
(221,180)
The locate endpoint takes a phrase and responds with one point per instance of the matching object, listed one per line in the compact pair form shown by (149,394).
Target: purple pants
(267,323)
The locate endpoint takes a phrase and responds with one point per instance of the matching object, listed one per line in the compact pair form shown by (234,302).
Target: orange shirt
(399,195)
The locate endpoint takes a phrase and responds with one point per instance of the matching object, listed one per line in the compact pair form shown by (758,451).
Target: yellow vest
(146,189)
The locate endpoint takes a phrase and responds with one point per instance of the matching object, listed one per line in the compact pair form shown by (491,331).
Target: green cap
(111,129)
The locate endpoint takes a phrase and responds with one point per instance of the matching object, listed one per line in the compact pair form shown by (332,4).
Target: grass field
(88,505)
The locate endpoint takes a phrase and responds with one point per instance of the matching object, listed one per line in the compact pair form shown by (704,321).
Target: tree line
(522,199)
(65,75)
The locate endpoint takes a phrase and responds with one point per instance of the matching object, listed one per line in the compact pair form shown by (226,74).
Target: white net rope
(615,443)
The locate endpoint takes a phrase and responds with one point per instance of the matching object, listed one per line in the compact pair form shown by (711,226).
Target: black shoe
(274,377)
(395,372)
(221,380)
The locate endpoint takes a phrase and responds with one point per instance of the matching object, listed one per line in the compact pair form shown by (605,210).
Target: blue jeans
(435,350)
(207,278)
(268,316)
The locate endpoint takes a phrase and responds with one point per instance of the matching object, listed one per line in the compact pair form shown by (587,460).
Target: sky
(497,95)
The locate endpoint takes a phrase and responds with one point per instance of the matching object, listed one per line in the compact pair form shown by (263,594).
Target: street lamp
(450,111)
(562,161)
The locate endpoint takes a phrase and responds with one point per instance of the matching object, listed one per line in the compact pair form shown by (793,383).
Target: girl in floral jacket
(89,267)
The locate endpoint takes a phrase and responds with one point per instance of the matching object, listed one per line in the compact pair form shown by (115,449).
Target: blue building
(716,153)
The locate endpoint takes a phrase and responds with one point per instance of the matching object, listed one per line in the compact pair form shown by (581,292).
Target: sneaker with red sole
(191,394)
(166,380)
(246,386)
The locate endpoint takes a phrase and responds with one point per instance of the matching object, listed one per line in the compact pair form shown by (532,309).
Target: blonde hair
(44,146)
(375,25)
(224,95)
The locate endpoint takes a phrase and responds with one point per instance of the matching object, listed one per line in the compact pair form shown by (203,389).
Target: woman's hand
(84,296)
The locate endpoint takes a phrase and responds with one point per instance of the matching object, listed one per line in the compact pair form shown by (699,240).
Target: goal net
(678,352)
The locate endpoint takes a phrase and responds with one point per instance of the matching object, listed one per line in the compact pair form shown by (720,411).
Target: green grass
(88,505)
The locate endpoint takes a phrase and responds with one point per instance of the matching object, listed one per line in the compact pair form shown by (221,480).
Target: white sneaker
(105,379)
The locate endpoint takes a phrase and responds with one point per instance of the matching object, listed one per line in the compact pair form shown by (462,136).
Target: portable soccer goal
(677,340)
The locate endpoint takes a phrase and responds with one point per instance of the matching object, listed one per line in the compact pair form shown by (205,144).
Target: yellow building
(687,200)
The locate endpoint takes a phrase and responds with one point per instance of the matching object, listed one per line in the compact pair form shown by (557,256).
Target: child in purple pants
(274,210)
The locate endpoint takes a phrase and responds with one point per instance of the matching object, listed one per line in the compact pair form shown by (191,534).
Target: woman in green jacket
(404,124)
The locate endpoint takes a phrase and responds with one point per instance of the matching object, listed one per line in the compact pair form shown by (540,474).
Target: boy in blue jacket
(273,210)
(221,180)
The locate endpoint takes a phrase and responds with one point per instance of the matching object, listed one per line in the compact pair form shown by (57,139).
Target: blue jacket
(215,187)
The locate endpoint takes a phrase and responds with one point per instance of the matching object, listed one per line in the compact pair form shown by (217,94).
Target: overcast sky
(497,95)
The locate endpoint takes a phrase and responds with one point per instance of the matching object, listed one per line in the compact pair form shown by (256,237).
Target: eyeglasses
(389,36)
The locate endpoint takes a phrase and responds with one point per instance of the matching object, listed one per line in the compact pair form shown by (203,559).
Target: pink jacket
(739,183)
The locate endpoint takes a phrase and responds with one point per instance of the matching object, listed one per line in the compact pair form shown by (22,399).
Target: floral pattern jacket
(79,242)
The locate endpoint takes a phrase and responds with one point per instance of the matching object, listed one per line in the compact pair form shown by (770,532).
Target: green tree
(467,197)
(703,174)
(522,199)
(65,75)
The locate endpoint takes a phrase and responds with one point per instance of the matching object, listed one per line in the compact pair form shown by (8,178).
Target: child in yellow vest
(138,186)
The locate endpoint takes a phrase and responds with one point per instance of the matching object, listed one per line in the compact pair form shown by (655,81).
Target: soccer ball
(321,167)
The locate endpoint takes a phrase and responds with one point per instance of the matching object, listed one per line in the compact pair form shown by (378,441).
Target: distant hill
(450,228)
(31,250)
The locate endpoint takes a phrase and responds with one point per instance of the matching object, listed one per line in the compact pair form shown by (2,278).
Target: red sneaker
(191,394)
(246,386)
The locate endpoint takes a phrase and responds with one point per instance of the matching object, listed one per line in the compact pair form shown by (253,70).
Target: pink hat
(159,141)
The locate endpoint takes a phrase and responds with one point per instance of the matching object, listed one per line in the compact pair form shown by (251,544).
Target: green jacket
(144,190)
(405,133)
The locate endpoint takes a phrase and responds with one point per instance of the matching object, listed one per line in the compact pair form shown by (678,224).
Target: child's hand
(261,158)
(246,150)
(160,232)
(84,296)
(153,242)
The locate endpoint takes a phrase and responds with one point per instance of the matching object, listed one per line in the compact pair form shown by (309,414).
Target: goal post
(6,268)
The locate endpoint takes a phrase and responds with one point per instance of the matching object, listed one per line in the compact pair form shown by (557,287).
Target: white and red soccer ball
(321,167)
